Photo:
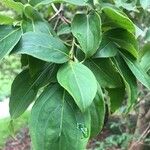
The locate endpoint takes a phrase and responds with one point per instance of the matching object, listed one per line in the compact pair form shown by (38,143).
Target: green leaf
(97,112)
(107,49)
(63,29)
(147,35)
(24,60)
(24,89)
(6,20)
(17,6)
(35,22)
(116,95)
(144,57)
(87,30)
(35,65)
(9,37)
(129,80)
(22,94)
(105,73)
(123,39)
(80,82)
(118,18)
(42,46)
(136,69)
(56,123)
(145,4)
(44,2)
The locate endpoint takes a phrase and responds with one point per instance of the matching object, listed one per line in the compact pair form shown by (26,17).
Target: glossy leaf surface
(119,19)
(23,96)
(34,21)
(97,112)
(137,70)
(57,123)
(107,48)
(129,80)
(87,30)
(9,37)
(43,46)
(117,96)
(123,39)
(80,82)
(104,72)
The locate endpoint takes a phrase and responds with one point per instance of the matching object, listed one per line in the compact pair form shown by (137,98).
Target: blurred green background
(9,68)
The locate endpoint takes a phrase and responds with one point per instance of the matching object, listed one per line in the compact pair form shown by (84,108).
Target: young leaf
(87,30)
(123,39)
(105,73)
(129,80)
(136,69)
(6,20)
(118,18)
(9,37)
(56,123)
(42,46)
(116,96)
(17,6)
(23,96)
(97,112)
(44,2)
(80,82)
(35,22)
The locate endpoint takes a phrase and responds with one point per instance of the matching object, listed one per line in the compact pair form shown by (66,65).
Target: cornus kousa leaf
(87,30)
(75,2)
(80,82)
(56,122)
(97,112)
(23,96)
(35,65)
(129,80)
(136,69)
(17,6)
(118,18)
(34,21)
(42,46)
(116,96)
(6,20)
(105,73)
(107,48)
(124,40)
(9,37)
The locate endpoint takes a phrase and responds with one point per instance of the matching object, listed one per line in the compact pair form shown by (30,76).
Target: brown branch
(147,116)
(58,12)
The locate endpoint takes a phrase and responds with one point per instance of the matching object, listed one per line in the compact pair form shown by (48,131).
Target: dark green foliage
(76,65)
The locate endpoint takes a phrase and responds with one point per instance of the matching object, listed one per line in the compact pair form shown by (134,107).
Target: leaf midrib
(77,86)
(9,34)
(21,106)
